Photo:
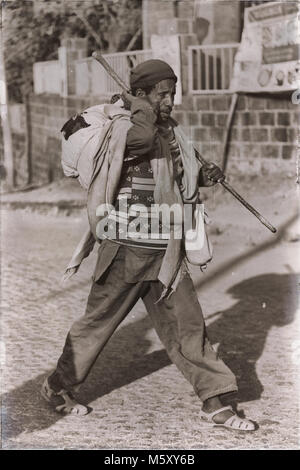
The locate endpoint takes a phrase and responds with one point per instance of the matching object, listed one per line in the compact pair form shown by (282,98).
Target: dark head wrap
(150,72)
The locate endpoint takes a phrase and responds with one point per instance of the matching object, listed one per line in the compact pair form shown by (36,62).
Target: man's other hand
(131,101)
(128,99)
(139,106)
(210,174)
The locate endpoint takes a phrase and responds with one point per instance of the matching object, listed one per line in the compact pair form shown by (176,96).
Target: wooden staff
(224,154)
(240,198)
(99,57)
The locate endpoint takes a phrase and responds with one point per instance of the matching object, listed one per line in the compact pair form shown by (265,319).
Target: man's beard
(164,114)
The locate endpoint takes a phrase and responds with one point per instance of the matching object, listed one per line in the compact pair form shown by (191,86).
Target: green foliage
(32,32)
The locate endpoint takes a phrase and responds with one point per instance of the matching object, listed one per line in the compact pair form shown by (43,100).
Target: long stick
(240,198)
(230,117)
(98,56)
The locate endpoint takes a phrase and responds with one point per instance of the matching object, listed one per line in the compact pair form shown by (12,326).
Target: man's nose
(168,101)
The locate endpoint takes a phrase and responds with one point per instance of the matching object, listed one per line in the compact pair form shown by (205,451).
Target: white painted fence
(92,79)
(47,77)
(209,71)
(210,67)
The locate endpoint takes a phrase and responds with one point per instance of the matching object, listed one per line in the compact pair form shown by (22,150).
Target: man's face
(162,98)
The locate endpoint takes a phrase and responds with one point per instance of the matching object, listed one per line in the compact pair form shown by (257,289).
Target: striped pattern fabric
(177,162)
(133,208)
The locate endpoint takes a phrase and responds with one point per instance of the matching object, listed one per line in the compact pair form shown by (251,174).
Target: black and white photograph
(150,230)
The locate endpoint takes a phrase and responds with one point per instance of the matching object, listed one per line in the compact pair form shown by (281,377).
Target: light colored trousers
(178,322)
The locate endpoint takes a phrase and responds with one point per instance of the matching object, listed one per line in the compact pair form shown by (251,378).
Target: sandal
(63,401)
(233,422)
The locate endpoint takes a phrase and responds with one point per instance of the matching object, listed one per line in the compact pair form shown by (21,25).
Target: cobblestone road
(139,399)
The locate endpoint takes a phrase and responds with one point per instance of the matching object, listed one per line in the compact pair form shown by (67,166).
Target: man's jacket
(140,136)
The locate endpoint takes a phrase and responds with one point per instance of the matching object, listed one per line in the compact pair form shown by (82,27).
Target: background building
(263,134)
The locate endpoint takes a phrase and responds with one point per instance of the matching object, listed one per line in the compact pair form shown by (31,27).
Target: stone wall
(264,134)
(48,113)
(17,121)
(20,163)
(186,17)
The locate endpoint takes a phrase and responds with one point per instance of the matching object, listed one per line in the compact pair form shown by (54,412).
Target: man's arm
(141,137)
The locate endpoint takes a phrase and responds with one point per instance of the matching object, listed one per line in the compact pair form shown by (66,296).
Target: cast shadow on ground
(123,360)
(263,302)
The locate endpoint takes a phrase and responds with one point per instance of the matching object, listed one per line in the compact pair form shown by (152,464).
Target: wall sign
(268,58)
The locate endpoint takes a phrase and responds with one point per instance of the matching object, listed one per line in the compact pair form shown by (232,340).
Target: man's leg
(109,301)
(180,326)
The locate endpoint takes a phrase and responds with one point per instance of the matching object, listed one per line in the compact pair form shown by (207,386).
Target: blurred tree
(32,31)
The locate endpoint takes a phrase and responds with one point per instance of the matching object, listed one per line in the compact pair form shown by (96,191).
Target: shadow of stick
(229,265)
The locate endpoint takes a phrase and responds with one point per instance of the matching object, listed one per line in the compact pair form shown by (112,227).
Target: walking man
(156,168)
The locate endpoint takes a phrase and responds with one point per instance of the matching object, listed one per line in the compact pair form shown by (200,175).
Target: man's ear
(140,93)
